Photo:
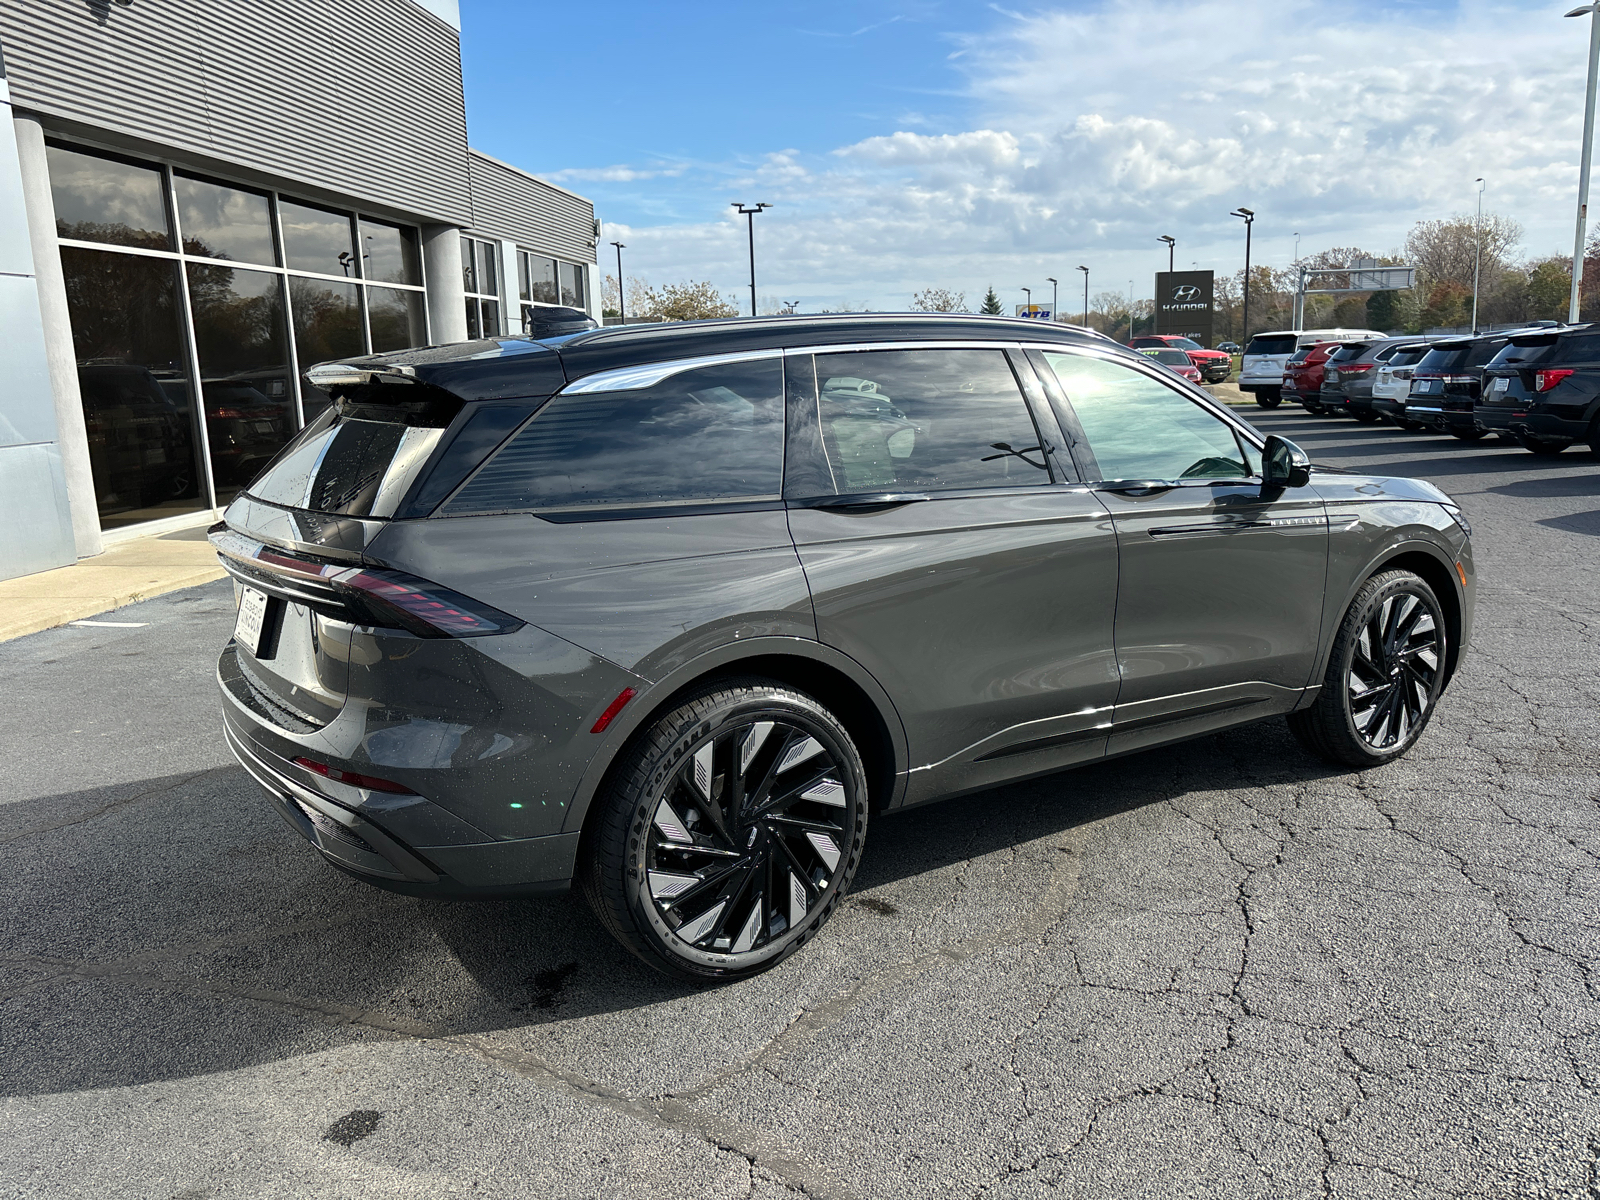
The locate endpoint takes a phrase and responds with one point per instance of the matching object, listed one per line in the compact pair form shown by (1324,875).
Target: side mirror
(1283,465)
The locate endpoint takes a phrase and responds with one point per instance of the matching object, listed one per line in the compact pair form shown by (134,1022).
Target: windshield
(1185,344)
(1170,358)
(1443,359)
(1271,343)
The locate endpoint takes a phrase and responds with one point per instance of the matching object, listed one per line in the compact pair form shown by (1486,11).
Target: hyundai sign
(1183,304)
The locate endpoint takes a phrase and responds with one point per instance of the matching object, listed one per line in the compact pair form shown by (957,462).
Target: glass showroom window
(542,280)
(196,305)
(480,278)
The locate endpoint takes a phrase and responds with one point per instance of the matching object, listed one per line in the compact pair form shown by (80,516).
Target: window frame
(808,473)
(1078,442)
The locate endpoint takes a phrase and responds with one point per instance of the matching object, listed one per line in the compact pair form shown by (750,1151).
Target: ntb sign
(1036,312)
(1184,304)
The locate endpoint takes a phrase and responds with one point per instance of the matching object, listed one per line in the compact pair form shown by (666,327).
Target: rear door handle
(862,501)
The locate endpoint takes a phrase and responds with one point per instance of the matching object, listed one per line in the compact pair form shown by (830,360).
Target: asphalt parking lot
(1219,970)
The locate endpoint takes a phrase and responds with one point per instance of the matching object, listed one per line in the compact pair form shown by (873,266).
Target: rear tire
(1365,415)
(727,831)
(1470,435)
(1385,674)
(1312,407)
(1544,447)
(1266,401)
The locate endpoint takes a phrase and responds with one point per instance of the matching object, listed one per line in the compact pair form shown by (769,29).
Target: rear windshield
(1525,353)
(1443,359)
(1346,353)
(1299,356)
(1482,352)
(356,459)
(1271,343)
(1407,356)
(1171,358)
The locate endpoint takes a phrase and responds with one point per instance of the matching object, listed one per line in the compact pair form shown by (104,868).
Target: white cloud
(1094,131)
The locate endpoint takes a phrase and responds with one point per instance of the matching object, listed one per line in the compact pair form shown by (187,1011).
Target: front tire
(728,831)
(1384,676)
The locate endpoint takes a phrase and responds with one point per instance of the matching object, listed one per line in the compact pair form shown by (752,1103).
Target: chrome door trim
(628,379)
(858,347)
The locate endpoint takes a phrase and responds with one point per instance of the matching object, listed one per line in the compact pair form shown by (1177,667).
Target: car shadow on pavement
(179,929)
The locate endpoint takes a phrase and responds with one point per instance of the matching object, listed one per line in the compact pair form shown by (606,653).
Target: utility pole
(1172,246)
(1085,271)
(750,213)
(622,291)
(1588,155)
(1249,219)
(1477,254)
(1055,311)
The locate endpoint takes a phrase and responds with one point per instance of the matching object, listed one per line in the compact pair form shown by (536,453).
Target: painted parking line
(111,624)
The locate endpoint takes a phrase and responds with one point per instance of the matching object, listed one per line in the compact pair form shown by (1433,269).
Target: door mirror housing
(1283,465)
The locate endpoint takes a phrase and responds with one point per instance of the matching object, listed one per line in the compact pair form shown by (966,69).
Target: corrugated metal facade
(510,203)
(358,97)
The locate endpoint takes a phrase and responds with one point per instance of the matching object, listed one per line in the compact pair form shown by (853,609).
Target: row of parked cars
(1538,386)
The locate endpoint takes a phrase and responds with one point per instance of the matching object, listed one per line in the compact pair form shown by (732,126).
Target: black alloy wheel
(730,830)
(1545,447)
(1470,435)
(1384,676)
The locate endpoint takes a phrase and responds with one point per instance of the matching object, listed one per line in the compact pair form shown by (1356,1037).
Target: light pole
(1172,246)
(1477,254)
(793,306)
(622,291)
(1249,219)
(1588,154)
(1055,312)
(1028,292)
(750,213)
(1085,271)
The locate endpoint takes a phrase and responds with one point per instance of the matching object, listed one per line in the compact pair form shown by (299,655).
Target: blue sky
(909,143)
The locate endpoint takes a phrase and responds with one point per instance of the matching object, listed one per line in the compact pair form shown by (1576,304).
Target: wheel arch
(840,683)
(1428,561)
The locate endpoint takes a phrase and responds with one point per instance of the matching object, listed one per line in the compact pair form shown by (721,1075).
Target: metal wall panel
(509,203)
(360,97)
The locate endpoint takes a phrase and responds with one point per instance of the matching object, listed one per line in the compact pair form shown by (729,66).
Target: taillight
(371,782)
(360,595)
(1355,368)
(1545,380)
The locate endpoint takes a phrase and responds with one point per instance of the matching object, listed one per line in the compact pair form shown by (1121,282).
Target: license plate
(1500,385)
(252,618)
(1423,387)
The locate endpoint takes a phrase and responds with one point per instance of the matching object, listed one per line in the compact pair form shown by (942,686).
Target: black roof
(505,367)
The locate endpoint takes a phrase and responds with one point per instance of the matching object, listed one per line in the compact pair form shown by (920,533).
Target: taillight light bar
(354,779)
(360,595)
(1354,368)
(1545,380)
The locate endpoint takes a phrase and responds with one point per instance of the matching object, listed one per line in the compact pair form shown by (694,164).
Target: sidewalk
(128,571)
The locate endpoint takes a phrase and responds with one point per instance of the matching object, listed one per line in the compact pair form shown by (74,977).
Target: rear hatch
(297,540)
(1343,365)
(1265,357)
(1437,381)
(1516,377)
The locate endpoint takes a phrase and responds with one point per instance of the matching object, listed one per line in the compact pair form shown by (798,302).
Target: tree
(991,303)
(1449,306)
(938,300)
(1383,311)
(1446,251)
(688,301)
(1549,289)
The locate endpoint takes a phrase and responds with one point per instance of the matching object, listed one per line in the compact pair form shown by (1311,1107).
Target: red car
(1174,360)
(1215,365)
(1302,374)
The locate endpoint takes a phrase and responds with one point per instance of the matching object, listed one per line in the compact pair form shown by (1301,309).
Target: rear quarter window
(700,436)
(1582,348)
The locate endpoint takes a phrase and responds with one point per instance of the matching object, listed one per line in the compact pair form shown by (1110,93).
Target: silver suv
(669,612)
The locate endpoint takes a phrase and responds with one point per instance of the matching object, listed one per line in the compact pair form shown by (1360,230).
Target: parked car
(1229,347)
(1175,361)
(1261,369)
(670,612)
(1392,384)
(1214,365)
(1348,375)
(1543,390)
(1446,382)
(1303,375)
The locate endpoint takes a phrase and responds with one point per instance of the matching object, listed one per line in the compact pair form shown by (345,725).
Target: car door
(950,551)
(1219,600)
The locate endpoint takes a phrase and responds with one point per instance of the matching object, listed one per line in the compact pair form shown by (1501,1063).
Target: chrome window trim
(629,379)
(858,347)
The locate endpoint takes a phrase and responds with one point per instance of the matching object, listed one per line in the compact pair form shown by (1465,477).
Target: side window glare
(707,435)
(1139,428)
(926,420)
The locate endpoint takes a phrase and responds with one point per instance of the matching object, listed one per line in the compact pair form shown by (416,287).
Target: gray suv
(669,611)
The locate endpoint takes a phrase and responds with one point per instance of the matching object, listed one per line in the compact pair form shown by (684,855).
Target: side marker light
(1462,572)
(612,710)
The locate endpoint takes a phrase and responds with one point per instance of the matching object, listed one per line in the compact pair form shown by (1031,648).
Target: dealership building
(198,201)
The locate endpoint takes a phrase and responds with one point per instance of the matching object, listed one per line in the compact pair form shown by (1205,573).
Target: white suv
(1262,370)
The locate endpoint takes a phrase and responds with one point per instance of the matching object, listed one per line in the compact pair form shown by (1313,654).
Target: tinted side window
(705,435)
(1584,348)
(1141,429)
(926,420)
